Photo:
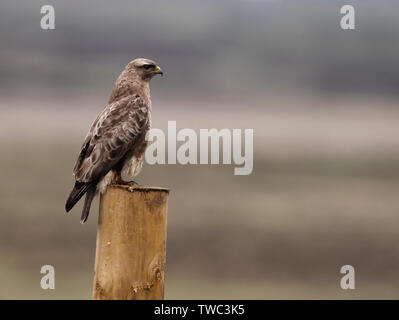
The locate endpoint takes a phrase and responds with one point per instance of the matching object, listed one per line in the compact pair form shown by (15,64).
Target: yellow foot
(120,181)
(123,182)
(132,183)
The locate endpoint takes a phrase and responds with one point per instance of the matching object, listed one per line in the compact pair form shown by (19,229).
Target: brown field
(324,193)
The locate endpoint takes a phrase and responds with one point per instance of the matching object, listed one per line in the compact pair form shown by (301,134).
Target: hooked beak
(158,70)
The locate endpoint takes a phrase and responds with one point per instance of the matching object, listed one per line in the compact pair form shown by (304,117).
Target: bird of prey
(116,143)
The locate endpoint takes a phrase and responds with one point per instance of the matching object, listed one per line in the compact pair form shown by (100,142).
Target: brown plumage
(116,141)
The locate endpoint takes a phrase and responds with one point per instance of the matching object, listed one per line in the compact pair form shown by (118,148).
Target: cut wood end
(134,187)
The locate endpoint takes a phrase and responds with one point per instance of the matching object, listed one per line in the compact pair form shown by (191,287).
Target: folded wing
(111,136)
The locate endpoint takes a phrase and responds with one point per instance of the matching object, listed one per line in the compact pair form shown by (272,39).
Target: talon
(132,183)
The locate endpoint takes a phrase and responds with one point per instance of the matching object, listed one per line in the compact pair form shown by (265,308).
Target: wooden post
(131,244)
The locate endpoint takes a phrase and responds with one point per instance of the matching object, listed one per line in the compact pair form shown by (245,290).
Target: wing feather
(111,136)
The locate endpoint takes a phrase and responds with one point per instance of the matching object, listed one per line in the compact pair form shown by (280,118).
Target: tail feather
(91,192)
(77,192)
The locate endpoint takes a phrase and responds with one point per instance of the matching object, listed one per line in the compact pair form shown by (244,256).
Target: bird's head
(143,68)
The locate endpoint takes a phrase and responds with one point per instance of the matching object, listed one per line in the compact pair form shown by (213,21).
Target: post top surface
(134,187)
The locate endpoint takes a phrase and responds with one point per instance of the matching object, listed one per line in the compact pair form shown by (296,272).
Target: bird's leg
(118,178)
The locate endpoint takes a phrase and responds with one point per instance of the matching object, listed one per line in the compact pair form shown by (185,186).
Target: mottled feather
(116,140)
(116,130)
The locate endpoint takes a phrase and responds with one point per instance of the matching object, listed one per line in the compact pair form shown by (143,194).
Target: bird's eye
(148,66)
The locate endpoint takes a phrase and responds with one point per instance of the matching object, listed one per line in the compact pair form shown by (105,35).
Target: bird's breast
(132,166)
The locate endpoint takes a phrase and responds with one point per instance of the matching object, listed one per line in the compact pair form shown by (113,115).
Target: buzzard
(116,143)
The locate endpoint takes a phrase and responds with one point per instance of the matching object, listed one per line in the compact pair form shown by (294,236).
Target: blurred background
(323,103)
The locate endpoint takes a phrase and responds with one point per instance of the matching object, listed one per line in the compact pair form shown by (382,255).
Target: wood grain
(131,244)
